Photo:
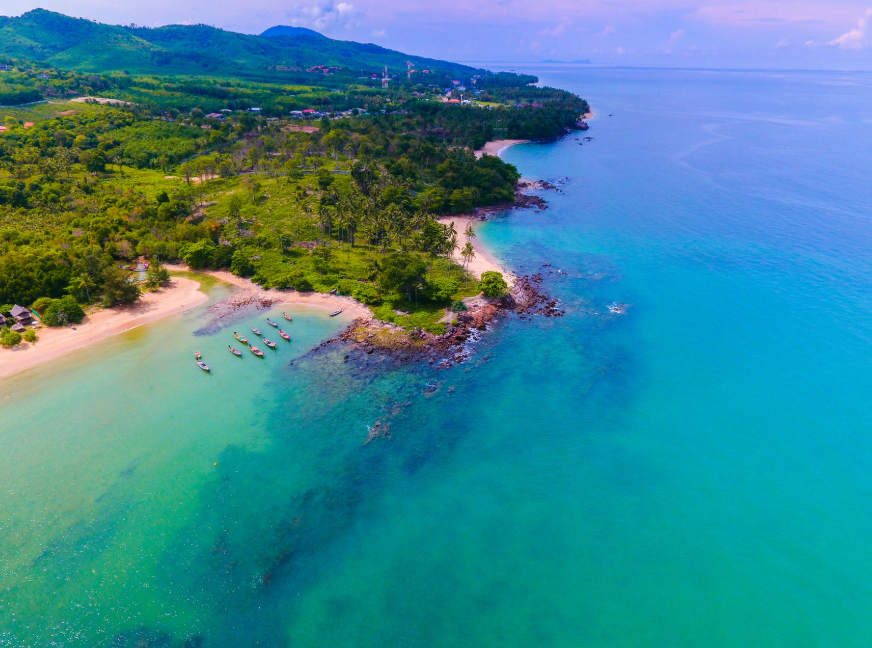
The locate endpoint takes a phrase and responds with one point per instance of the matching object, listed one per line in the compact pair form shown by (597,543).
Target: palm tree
(84,282)
(468,254)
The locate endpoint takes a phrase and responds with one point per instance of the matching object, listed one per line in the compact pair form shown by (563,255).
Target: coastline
(496,147)
(54,342)
(328,302)
(180,296)
(183,294)
(484,259)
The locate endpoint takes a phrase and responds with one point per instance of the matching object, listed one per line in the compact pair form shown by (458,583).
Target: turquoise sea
(694,472)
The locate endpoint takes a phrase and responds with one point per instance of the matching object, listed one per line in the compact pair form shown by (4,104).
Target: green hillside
(88,46)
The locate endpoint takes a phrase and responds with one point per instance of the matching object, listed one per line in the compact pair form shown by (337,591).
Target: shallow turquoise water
(692,473)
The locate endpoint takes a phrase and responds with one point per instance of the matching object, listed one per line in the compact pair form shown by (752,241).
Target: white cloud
(608,29)
(326,14)
(560,29)
(857,38)
(379,33)
(782,43)
(673,38)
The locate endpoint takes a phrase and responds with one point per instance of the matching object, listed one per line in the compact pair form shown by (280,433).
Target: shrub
(9,338)
(366,293)
(156,277)
(240,264)
(41,304)
(30,335)
(346,286)
(303,285)
(458,306)
(436,328)
(63,311)
(492,284)
(118,288)
(441,289)
(199,255)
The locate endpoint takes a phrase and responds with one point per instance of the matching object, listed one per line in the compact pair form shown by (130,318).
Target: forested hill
(89,46)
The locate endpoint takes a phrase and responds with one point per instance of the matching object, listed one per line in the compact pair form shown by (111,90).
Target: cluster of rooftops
(21,317)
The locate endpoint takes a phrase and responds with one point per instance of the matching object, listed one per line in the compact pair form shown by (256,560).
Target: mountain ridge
(89,46)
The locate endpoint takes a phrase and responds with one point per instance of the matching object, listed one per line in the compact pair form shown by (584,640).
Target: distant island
(573,62)
(310,174)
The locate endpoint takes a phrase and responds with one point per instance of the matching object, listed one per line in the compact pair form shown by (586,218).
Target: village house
(2,320)
(22,316)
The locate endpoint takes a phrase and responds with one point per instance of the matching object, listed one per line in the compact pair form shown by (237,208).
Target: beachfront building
(2,320)
(22,315)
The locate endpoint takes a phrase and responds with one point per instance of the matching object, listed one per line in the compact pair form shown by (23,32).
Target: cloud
(857,38)
(608,29)
(782,43)
(560,29)
(766,13)
(379,33)
(326,14)
(673,38)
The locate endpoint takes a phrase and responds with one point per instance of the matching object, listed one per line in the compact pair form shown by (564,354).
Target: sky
(816,34)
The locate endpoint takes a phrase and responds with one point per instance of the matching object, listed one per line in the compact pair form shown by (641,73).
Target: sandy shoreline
(496,147)
(54,342)
(326,301)
(181,295)
(484,260)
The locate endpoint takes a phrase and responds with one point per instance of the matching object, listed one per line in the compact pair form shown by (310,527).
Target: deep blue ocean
(693,472)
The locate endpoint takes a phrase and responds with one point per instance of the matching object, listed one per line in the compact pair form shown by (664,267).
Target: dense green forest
(80,44)
(343,197)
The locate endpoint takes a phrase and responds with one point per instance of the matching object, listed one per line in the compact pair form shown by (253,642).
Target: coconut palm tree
(468,254)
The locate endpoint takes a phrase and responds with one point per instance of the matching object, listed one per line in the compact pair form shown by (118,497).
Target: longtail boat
(256,351)
(271,323)
(242,339)
(285,335)
(203,366)
(335,313)
(286,316)
(235,352)
(256,330)
(269,343)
